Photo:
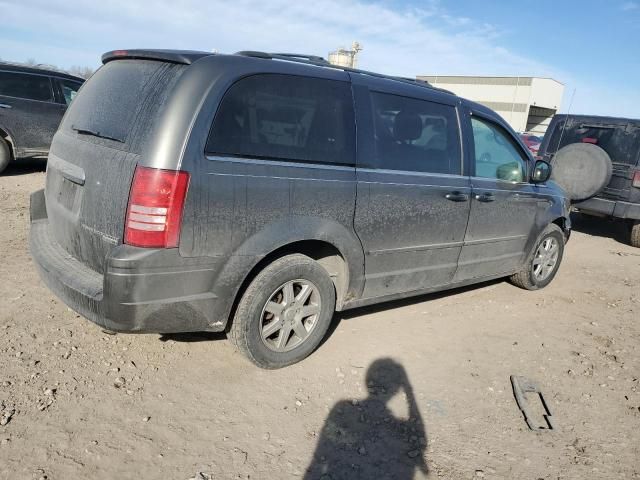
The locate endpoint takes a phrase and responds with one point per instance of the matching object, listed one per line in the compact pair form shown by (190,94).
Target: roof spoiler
(186,57)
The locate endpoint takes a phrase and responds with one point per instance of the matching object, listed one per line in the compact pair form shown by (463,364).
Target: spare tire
(582,170)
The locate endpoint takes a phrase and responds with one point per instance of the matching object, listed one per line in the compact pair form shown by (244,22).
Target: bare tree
(84,72)
(77,70)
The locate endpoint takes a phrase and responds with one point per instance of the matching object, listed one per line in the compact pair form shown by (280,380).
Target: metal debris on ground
(201,476)
(522,386)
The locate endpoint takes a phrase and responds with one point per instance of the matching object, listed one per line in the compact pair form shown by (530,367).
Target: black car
(619,138)
(258,193)
(32,103)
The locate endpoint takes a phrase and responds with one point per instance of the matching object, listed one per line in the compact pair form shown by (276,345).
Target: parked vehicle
(193,191)
(619,197)
(32,102)
(531,141)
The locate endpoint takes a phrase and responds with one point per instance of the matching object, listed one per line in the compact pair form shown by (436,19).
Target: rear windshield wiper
(86,131)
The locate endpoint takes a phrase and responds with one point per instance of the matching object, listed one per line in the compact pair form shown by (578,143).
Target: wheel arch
(345,271)
(323,252)
(565,225)
(6,135)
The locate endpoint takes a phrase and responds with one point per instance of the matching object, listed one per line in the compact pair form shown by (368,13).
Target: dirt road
(77,403)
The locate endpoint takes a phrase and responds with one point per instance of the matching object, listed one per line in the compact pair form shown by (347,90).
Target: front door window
(496,154)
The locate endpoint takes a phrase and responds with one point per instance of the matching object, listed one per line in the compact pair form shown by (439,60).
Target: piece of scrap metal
(521,386)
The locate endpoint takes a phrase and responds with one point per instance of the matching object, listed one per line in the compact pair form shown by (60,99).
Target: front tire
(543,262)
(284,313)
(5,154)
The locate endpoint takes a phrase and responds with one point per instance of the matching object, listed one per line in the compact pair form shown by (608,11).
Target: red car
(531,141)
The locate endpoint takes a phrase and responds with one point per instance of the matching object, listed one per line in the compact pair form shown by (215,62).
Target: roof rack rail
(290,57)
(321,62)
(311,58)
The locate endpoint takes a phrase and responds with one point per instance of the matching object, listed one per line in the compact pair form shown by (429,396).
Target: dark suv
(32,103)
(258,193)
(620,139)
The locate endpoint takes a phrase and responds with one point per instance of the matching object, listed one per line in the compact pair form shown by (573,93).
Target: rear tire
(5,154)
(543,262)
(634,238)
(284,313)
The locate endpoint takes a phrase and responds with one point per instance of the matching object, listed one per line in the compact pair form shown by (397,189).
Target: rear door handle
(4,105)
(486,197)
(457,196)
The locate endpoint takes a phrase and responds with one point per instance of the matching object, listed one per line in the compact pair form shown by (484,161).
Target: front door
(412,201)
(503,204)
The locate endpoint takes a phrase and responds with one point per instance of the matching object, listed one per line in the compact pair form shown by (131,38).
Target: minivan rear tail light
(154,213)
(636,179)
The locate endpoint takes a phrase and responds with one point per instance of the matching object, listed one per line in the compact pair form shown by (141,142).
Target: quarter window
(286,117)
(416,135)
(24,85)
(496,154)
(69,89)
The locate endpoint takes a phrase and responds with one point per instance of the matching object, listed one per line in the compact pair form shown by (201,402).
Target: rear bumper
(142,290)
(610,208)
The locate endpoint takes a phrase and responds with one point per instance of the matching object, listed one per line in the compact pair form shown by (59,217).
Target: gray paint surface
(396,231)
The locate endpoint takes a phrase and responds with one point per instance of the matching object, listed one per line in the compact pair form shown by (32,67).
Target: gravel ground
(395,391)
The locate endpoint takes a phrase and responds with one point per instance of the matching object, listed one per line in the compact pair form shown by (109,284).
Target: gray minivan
(258,193)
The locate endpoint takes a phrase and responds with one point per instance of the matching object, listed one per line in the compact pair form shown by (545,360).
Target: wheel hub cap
(289,315)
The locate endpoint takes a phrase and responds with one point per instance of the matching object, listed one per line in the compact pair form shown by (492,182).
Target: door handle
(486,197)
(457,196)
(4,105)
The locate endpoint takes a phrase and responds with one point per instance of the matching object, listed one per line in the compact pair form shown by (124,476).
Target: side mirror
(541,172)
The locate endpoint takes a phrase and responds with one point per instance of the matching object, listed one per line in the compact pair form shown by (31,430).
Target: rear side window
(24,85)
(69,89)
(286,117)
(416,135)
(121,101)
(620,141)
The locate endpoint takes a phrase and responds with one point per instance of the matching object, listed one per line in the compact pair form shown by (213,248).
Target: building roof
(460,77)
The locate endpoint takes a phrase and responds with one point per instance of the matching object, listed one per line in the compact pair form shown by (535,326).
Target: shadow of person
(365,440)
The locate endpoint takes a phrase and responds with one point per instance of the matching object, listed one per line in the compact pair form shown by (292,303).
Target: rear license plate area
(67,193)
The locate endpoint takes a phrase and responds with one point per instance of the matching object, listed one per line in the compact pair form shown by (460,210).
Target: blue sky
(587,45)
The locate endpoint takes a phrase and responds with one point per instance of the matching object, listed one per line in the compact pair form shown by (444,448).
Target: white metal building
(527,103)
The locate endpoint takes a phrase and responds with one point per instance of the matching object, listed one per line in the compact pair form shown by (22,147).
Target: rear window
(121,101)
(620,141)
(286,117)
(27,86)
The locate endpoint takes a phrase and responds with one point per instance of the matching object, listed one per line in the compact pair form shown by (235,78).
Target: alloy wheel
(546,259)
(290,315)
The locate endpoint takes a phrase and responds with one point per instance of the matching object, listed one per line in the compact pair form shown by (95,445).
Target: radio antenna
(566,120)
